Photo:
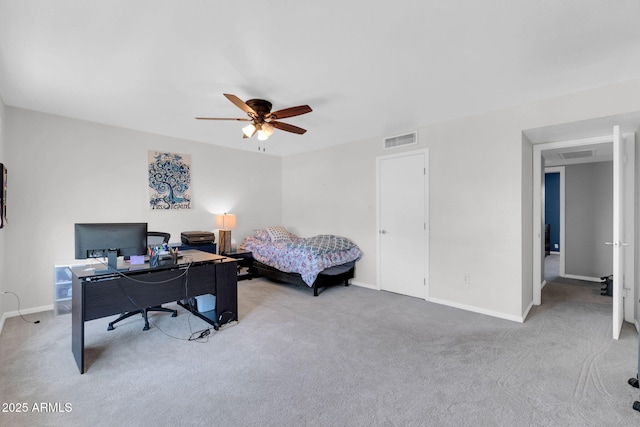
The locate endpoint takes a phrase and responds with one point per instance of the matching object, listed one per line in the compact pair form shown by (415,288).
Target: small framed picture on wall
(3,196)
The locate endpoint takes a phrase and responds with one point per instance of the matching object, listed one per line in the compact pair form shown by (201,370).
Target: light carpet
(350,357)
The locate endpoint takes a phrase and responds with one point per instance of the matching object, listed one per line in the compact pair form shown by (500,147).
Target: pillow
(278,234)
(262,234)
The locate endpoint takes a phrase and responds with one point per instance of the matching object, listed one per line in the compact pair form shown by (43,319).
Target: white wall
(64,171)
(480,197)
(3,271)
(589,219)
(637,231)
(332,191)
(335,190)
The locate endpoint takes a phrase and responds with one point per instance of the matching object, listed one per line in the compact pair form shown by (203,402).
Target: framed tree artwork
(169,180)
(3,196)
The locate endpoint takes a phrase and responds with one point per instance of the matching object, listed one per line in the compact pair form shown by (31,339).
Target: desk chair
(154,238)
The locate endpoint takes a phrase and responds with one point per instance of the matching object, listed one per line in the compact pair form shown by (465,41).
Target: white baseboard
(586,278)
(519,319)
(526,312)
(9,314)
(362,284)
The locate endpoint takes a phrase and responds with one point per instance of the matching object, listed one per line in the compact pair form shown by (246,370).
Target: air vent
(577,154)
(400,140)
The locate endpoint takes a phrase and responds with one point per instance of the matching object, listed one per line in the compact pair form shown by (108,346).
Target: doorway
(556,223)
(624,205)
(402,206)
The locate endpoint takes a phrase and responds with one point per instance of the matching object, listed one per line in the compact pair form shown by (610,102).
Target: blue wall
(552,207)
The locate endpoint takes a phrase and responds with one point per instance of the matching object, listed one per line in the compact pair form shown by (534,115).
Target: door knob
(616,243)
(383,231)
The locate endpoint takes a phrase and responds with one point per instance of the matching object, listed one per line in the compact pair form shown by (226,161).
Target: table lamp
(225,223)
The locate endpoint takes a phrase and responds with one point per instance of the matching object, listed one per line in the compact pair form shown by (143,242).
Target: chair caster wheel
(633,382)
(636,405)
(110,328)
(175,313)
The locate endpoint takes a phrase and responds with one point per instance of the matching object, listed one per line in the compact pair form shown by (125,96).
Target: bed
(317,262)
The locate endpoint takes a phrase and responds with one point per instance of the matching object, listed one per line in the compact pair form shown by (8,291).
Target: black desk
(212,248)
(245,263)
(98,294)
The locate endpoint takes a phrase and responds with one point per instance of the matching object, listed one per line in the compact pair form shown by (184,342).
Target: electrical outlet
(555,245)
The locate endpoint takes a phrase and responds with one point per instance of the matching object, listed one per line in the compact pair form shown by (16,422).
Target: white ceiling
(368,69)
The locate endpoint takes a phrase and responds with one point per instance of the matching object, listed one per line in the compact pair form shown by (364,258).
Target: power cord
(195,336)
(184,267)
(199,336)
(18,298)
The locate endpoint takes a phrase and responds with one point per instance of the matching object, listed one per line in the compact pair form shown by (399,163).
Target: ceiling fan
(263,121)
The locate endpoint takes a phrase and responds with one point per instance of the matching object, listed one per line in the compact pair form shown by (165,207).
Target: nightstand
(245,262)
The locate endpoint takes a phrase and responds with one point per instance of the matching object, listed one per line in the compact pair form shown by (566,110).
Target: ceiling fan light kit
(249,130)
(263,121)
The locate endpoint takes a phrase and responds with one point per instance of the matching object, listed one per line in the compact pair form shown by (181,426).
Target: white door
(619,243)
(402,223)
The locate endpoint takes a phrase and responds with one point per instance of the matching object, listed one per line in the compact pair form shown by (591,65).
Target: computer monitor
(96,240)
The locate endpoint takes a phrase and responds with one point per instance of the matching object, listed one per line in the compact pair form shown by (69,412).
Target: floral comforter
(306,256)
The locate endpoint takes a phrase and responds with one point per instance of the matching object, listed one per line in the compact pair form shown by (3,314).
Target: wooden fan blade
(220,118)
(287,127)
(240,104)
(289,112)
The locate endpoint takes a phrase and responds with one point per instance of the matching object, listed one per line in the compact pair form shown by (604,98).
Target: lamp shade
(225,221)
(249,130)
(267,129)
(262,135)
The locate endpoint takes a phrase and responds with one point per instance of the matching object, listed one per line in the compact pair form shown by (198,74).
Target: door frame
(538,214)
(379,159)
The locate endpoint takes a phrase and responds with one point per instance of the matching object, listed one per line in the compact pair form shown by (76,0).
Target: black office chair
(154,238)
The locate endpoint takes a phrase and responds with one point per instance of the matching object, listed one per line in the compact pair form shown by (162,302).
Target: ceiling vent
(577,154)
(400,140)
